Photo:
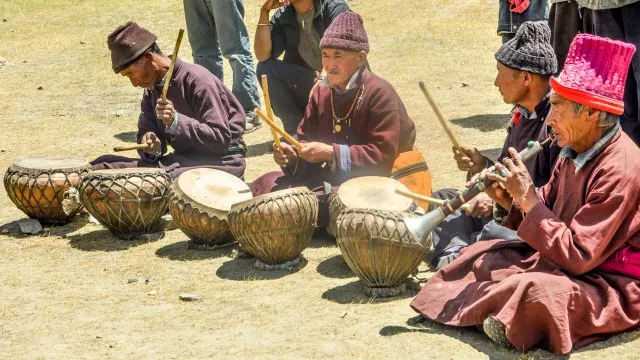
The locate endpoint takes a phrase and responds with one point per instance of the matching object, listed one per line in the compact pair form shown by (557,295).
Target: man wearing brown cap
(201,119)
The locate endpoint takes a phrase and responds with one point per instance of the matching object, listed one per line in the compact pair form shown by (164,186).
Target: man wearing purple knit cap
(574,279)
(355,123)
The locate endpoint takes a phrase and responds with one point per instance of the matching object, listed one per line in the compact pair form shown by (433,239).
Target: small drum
(379,248)
(200,203)
(37,186)
(368,192)
(129,202)
(275,227)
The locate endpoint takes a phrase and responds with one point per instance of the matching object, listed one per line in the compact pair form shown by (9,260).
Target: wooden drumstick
(279,130)
(267,101)
(131,147)
(430,200)
(443,122)
(173,64)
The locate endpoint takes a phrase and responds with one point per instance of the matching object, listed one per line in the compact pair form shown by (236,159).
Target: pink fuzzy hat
(595,73)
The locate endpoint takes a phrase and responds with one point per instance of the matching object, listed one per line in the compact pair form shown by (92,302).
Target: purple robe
(211,122)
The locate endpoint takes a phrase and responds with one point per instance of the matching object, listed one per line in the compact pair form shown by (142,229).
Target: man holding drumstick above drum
(200,118)
(524,65)
(355,123)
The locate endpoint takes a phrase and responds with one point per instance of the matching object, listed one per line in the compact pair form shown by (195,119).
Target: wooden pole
(167,80)
(430,200)
(130,147)
(267,101)
(275,127)
(443,122)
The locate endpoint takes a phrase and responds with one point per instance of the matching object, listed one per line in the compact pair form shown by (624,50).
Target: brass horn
(422,226)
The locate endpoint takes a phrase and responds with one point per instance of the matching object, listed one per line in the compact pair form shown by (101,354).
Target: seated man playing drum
(355,123)
(524,65)
(201,119)
(575,277)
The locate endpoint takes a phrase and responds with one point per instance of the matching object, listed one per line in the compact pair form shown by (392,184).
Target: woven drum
(200,203)
(275,227)
(37,186)
(129,202)
(368,192)
(379,248)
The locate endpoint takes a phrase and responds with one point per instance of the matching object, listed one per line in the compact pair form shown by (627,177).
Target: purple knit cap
(346,32)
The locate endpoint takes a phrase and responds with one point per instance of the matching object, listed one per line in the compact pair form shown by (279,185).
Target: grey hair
(605,119)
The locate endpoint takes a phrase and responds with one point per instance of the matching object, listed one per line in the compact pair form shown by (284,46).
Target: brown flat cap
(127,42)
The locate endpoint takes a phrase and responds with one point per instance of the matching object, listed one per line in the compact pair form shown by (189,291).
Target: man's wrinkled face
(569,128)
(510,83)
(340,65)
(141,73)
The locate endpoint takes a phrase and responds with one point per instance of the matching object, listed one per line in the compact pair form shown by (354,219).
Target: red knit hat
(127,42)
(595,73)
(346,32)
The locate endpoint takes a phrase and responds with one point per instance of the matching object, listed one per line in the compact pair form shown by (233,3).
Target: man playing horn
(355,123)
(524,65)
(574,279)
(200,119)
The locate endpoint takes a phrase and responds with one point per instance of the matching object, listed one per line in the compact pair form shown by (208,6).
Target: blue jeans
(216,28)
(289,88)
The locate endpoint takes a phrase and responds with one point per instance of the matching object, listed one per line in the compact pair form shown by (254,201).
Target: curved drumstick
(443,122)
(131,147)
(279,130)
(173,64)
(430,200)
(267,101)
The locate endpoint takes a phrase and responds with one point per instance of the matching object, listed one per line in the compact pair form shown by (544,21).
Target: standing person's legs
(289,88)
(202,36)
(234,44)
(566,20)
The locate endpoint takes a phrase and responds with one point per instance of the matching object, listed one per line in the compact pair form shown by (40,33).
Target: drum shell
(199,226)
(377,246)
(128,204)
(275,227)
(39,193)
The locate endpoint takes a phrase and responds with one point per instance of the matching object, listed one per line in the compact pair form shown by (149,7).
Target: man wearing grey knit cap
(524,64)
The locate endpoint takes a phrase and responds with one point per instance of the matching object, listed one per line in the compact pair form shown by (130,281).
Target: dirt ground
(66,294)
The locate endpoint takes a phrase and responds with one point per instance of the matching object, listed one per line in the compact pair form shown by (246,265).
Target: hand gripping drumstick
(173,64)
(279,130)
(130,147)
(443,122)
(267,101)
(430,200)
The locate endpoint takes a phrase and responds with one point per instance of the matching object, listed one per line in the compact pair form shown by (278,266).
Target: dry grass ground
(65,293)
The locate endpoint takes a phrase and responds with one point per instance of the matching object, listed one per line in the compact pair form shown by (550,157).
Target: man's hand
(496,191)
(274,4)
(469,160)
(155,146)
(165,112)
(516,179)
(316,152)
(480,206)
(284,156)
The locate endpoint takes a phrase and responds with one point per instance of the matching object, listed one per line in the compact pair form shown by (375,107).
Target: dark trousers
(566,20)
(624,24)
(289,88)
(459,230)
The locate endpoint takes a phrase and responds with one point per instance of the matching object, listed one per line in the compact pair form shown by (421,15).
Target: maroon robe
(211,122)
(548,291)
(379,130)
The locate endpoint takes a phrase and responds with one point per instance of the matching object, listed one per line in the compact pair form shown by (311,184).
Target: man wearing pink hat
(574,278)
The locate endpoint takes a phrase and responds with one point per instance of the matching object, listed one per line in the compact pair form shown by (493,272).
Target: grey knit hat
(530,50)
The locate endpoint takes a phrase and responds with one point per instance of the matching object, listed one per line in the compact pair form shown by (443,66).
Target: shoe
(496,331)
(418,321)
(253,122)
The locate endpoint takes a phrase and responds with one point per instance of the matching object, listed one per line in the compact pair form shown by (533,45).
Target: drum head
(374,192)
(52,163)
(140,170)
(214,189)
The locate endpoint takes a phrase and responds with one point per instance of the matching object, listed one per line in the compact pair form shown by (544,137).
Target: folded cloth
(625,261)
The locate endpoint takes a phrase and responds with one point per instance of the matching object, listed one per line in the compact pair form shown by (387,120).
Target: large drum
(129,202)
(37,186)
(379,248)
(368,192)
(275,227)
(200,203)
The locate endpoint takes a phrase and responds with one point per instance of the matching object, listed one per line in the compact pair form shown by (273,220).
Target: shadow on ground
(484,122)
(184,251)
(103,240)
(260,149)
(129,136)
(353,293)
(241,269)
(335,267)
(13,229)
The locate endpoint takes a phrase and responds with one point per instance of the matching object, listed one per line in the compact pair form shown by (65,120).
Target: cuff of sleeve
(341,159)
(173,128)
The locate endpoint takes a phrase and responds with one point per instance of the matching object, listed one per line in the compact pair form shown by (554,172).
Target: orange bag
(410,169)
